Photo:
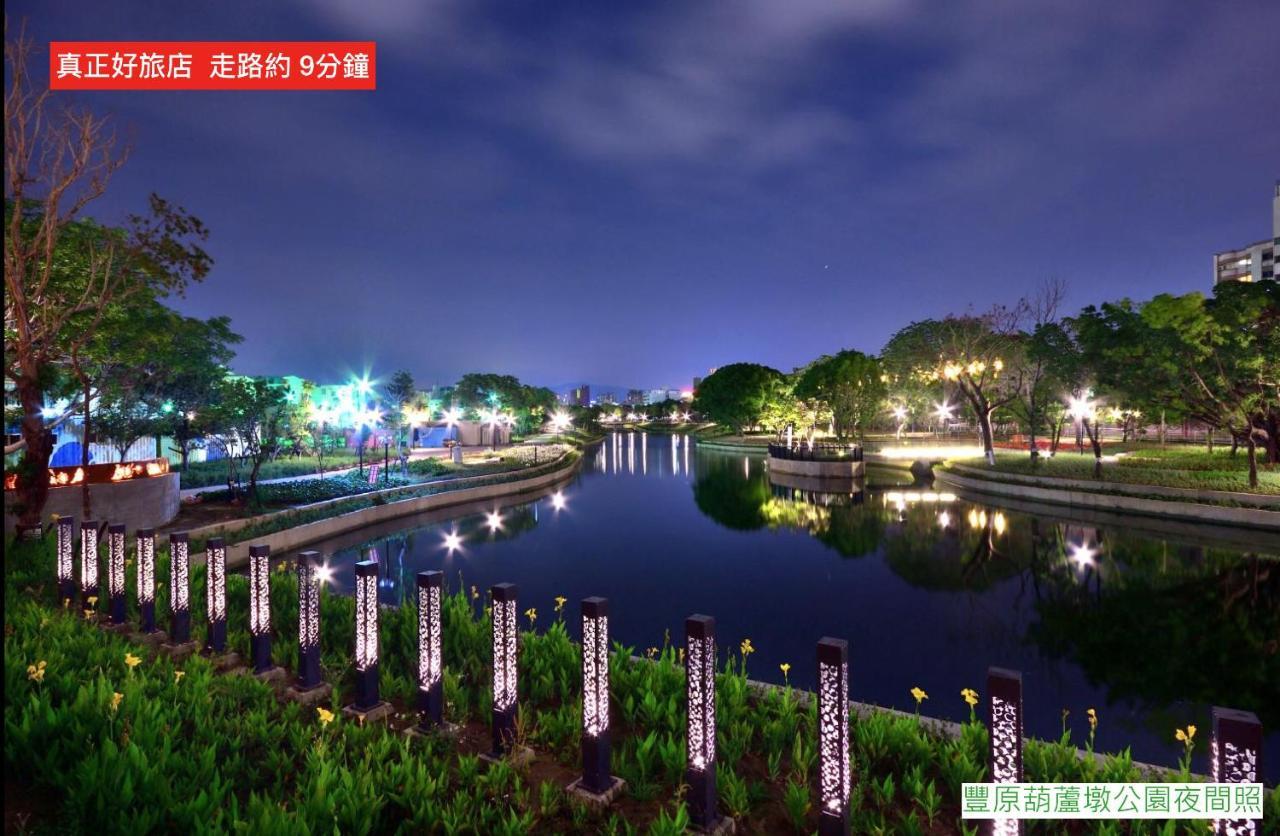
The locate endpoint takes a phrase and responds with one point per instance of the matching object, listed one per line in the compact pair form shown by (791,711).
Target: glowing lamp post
(833,736)
(146,542)
(308,621)
(430,651)
(66,529)
(1236,752)
(88,563)
(215,556)
(367,695)
(179,589)
(700,694)
(596,777)
(260,608)
(1004,698)
(505,681)
(115,573)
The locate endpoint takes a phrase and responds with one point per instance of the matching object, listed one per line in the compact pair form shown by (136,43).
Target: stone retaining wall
(147,502)
(1220,514)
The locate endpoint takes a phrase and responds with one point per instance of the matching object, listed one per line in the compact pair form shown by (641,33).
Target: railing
(817,452)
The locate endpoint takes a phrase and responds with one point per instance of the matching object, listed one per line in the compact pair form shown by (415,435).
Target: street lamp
(900,413)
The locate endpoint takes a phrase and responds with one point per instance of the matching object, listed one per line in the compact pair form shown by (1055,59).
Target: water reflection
(1148,626)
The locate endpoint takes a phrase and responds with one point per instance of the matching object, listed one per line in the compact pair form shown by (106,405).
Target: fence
(817,452)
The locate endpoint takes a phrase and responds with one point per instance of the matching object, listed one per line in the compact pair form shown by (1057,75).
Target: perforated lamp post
(367,694)
(430,653)
(505,675)
(260,608)
(179,589)
(88,563)
(215,555)
(66,531)
(115,573)
(1004,698)
(700,694)
(834,774)
(1236,754)
(146,546)
(596,777)
(308,621)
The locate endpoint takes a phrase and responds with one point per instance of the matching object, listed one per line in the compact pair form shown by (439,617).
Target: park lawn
(1169,467)
(204,474)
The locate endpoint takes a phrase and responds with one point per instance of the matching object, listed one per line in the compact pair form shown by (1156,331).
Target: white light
(452,541)
(179,575)
(1082,556)
(324,574)
(146,568)
(944,519)
(451,416)
(998,522)
(48,412)
(494,520)
(259,592)
(366,620)
(943,410)
(1082,409)
(430,658)
(900,412)
(216,576)
(505,681)
(557,501)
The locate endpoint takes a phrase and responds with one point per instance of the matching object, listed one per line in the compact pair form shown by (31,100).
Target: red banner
(212,65)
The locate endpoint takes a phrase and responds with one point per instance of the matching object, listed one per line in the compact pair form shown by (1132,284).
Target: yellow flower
(177,676)
(680,651)
(326,716)
(475,593)
(1093,719)
(116,697)
(532,615)
(36,672)
(131,660)
(746,647)
(785,667)
(93,600)
(970,696)
(1185,736)
(919,694)
(560,601)
(651,652)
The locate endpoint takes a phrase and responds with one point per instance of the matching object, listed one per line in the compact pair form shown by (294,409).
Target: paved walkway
(415,453)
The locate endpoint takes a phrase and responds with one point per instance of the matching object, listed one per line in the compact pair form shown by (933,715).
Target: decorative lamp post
(66,529)
(260,608)
(430,652)
(833,736)
(505,675)
(1236,752)
(115,573)
(700,694)
(146,542)
(308,621)
(1004,699)
(88,563)
(596,777)
(179,588)
(215,556)
(367,696)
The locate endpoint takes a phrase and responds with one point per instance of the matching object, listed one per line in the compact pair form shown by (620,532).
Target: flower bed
(112,740)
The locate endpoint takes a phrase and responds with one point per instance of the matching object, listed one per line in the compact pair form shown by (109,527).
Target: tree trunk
(1096,444)
(86,502)
(1252,447)
(33,472)
(1162,428)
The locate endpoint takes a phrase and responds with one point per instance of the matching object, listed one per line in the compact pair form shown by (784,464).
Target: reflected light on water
(452,541)
(493,519)
(944,520)
(324,574)
(557,501)
(1083,556)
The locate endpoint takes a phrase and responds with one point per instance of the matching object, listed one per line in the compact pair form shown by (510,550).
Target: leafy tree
(849,384)
(737,395)
(193,359)
(252,419)
(124,419)
(979,355)
(62,272)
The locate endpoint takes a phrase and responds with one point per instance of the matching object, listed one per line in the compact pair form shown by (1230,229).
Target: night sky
(630,193)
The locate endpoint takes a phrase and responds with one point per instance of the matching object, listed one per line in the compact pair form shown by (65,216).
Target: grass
(1169,467)
(93,743)
(204,474)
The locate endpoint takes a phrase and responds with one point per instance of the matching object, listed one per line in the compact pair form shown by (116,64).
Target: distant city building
(635,396)
(659,395)
(579,396)
(1256,261)
(606,399)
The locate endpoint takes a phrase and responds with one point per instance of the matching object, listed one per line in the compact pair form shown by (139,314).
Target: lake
(1148,623)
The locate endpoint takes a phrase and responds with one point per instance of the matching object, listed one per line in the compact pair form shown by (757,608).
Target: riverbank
(1153,501)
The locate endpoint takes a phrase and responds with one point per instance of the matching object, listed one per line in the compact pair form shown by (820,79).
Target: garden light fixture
(506,643)
(430,650)
(215,565)
(367,695)
(1004,700)
(146,556)
(179,588)
(260,607)
(309,580)
(700,741)
(596,777)
(88,563)
(66,527)
(115,573)
(834,774)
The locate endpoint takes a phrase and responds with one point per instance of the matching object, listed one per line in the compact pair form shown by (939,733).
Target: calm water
(1148,627)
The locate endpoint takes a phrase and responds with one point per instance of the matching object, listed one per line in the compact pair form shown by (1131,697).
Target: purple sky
(630,193)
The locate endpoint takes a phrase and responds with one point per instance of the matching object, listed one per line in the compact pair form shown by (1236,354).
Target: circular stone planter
(148,502)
